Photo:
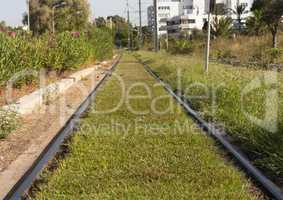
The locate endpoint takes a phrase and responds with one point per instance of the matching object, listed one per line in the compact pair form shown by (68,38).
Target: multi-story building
(150,17)
(166,9)
(195,14)
(185,15)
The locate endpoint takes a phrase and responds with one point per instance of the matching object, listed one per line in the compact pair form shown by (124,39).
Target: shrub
(68,51)
(224,54)
(103,43)
(249,51)
(17,55)
(266,56)
(8,122)
(65,51)
(181,46)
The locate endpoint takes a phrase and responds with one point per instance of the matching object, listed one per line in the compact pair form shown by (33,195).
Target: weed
(229,107)
(9,121)
(124,161)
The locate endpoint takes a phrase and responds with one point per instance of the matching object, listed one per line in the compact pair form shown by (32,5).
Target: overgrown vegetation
(74,42)
(241,41)
(8,122)
(64,51)
(219,97)
(250,51)
(122,155)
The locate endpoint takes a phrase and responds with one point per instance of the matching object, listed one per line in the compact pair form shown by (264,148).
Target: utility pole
(129,29)
(28,11)
(167,41)
(53,19)
(140,28)
(94,21)
(54,7)
(208,43)
(210,8)
(155,26)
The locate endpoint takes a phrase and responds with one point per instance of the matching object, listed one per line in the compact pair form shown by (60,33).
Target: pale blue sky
(12,11)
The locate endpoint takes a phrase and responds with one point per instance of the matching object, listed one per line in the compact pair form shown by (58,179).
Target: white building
(166,9)
(185,15)
(194,14)
(150,17)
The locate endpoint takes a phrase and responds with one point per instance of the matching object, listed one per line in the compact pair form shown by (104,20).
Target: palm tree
(255,23)
(222,27)
(239,11)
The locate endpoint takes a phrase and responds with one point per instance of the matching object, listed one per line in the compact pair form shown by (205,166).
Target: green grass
(156,157)
(225,84)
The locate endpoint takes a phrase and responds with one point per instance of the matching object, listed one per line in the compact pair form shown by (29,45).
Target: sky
(12,11)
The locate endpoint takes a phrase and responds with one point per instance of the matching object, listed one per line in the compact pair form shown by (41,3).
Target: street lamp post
(62,4)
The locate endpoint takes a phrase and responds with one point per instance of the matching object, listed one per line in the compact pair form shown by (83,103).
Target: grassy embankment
(250,51)
(247,51)
(221,91)
(156,156)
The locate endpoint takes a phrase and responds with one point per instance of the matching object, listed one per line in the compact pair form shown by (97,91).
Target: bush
(248,51)
(266,56)
(181,46)
(8,122)
(17,55)
(65,51)
(224,54)
(103,43)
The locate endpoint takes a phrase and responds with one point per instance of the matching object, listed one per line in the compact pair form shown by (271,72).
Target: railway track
(270,188)
(53,147)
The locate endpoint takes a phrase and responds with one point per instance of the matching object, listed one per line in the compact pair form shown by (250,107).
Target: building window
(164,8)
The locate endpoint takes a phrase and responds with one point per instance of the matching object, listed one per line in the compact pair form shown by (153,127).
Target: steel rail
(53,147)
(271,188)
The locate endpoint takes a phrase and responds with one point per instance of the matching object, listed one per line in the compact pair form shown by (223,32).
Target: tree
(255,23)
(73,16)
(272,15)
(120,28)
(100,22)
(2,26)
(239,11)
(222,26)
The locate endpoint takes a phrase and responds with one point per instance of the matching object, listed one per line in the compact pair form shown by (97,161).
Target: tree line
(73,15)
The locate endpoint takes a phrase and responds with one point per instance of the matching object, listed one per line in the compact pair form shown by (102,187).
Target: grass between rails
(226,95)
(122,155)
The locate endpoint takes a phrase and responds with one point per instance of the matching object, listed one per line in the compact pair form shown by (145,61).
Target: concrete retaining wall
(27,104)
